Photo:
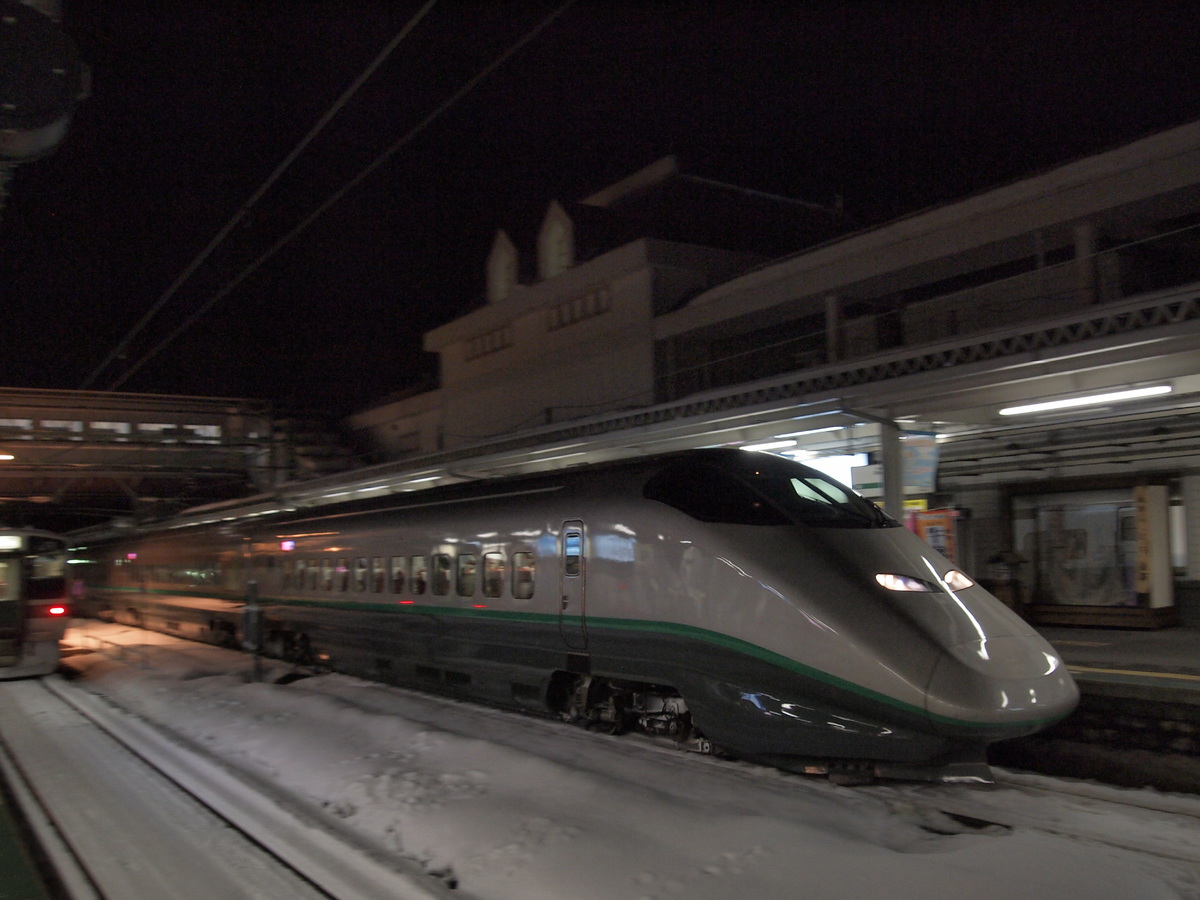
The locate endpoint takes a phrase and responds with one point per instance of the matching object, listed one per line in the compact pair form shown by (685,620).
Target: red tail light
(56,611)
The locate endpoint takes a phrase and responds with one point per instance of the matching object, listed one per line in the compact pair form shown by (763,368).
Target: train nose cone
(999,688)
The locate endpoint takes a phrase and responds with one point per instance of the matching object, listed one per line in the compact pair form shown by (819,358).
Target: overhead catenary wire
(246,207)
(363,174)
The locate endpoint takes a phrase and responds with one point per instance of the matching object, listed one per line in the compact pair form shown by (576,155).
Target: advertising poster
(939,529)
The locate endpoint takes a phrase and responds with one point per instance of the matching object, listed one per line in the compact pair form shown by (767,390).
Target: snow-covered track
(124,810)
(1162,825)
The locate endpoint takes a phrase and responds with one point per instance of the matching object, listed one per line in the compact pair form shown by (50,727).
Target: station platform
(1161,664)
(1138,719)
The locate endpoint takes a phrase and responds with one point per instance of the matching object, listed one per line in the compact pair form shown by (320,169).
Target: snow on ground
(513,807)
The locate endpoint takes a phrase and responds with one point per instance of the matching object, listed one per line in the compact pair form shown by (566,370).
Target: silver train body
(733,600)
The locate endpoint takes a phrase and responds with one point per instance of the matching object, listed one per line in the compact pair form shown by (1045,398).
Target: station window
(420,575)
(399,574)
(465,580)
(378,575)
(522,584)
(360,574)
(493,574)
(441,574)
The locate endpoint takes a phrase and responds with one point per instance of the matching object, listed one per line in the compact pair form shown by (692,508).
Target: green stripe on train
(674,629)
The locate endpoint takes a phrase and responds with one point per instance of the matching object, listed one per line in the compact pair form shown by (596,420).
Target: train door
(573,611)
(11,611)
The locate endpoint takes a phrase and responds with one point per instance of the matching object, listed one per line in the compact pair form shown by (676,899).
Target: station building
(668,311)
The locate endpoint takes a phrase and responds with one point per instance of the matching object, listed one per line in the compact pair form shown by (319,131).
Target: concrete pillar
(891,455)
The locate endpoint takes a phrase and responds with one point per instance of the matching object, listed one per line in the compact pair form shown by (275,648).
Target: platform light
(1090,400)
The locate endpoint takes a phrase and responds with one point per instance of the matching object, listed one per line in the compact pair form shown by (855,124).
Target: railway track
(123,811)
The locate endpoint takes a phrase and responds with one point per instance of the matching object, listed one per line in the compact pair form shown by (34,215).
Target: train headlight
(957,581)
(903,583)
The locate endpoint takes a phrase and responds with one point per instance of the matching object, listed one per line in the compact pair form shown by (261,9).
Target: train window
(420,575)
(378,575)
(313,574)
(326,573)
(399,574)
(465,580)
(493,574)
(522,583)
(572,553)
(360,574)
(343,573)
(286,578)
(441,574)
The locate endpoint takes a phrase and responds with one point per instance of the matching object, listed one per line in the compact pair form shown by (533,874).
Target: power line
(345,189)
(254,198)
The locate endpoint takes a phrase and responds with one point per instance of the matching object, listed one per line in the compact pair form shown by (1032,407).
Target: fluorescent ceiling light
(794,434)
(1091,400)
(770,445)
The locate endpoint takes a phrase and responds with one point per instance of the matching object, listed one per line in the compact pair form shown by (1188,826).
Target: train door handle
(564,603)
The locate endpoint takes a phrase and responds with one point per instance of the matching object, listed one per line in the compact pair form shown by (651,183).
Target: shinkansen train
(731,599)
(34,607)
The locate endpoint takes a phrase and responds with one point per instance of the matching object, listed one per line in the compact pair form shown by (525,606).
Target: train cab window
(399,574)
(441,574)
(378,575)
(770,493)
(360,574)
(522,583)
(343,573)
(493,574)
(464,583)
(326,573)
(710,494)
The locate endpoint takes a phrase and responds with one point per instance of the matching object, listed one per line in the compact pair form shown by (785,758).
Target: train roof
(624,473)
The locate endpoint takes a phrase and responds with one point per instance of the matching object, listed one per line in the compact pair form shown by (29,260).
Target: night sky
(891,106)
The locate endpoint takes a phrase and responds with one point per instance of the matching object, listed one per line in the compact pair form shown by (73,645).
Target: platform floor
(1162,663)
